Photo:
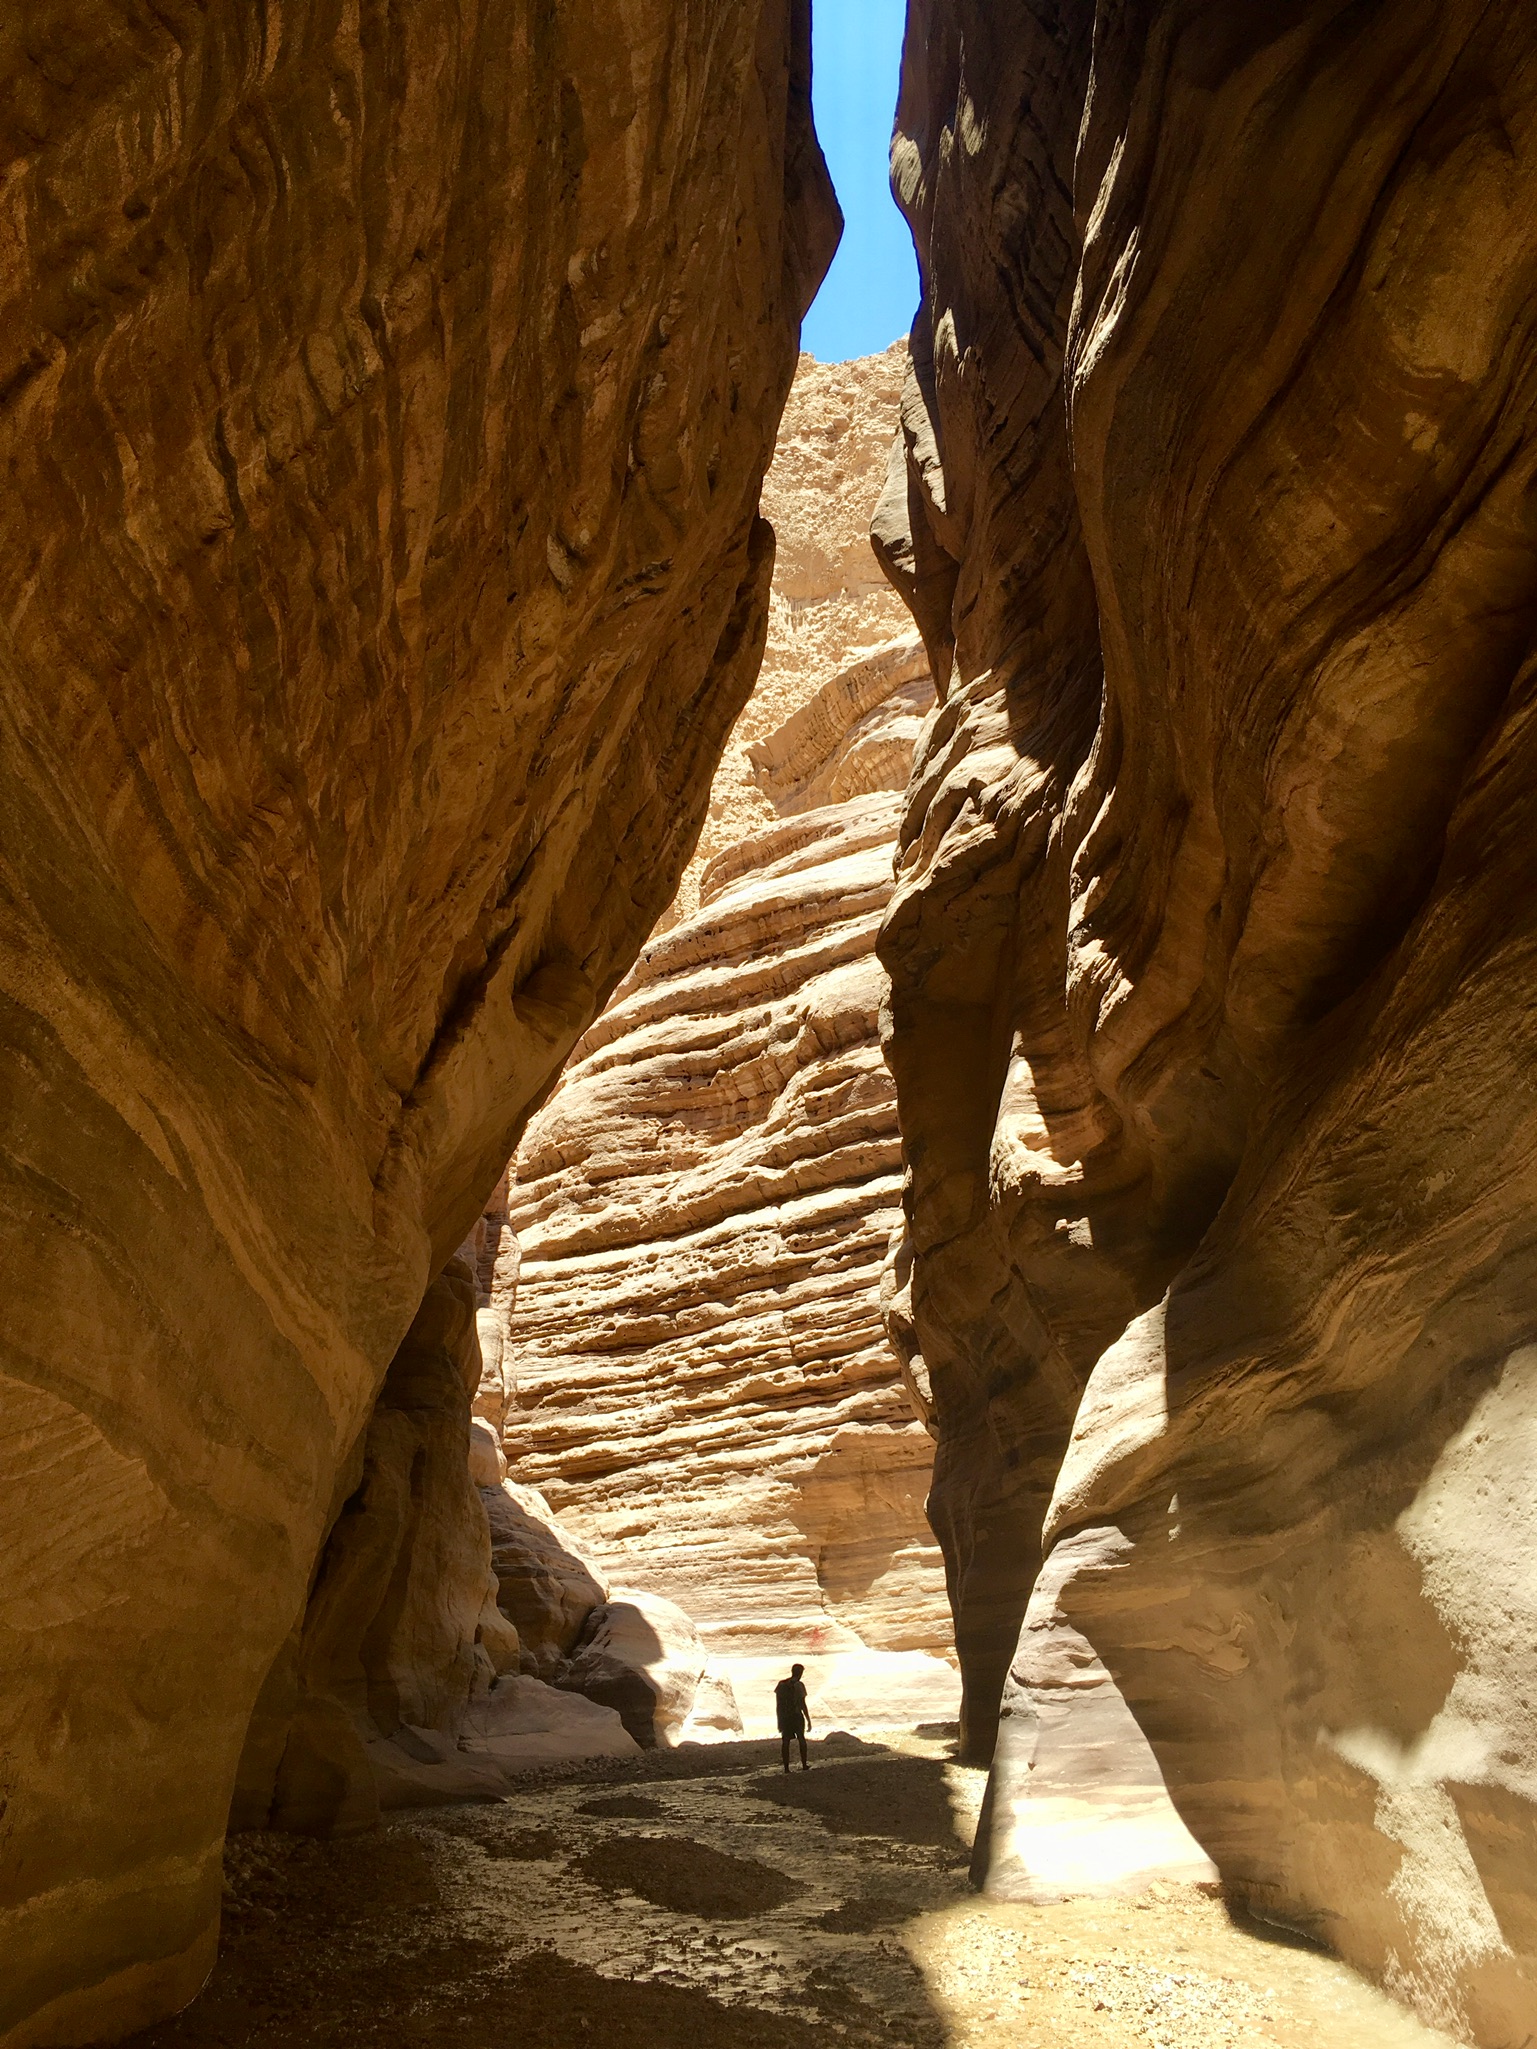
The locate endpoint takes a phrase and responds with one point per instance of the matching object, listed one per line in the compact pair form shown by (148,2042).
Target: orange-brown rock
(402,1627)
(1214,933)
(701,1385)
(402,1684)
(384,398)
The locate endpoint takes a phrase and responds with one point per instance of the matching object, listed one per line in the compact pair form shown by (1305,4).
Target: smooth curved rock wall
(1213,937)
(383,405)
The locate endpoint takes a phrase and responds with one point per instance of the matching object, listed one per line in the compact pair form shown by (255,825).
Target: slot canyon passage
(592,1102)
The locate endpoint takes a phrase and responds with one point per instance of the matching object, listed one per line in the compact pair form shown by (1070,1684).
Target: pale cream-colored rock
(487,1461)
(715,1716)
(492,1251)
(1213,943)
(515,1723)
(704,1393)
(644,1655)
(521,1721)
(384,396)
(702,1387)
(829,601)
(1076,1803)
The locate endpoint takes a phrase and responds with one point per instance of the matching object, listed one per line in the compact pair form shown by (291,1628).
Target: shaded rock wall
(1213,938)
(383,403)
(702,1387)
(402,1628)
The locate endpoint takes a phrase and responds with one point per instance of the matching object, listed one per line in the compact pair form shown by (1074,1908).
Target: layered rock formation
(1213,937)
(702,1388)
(828,601)
(383,403)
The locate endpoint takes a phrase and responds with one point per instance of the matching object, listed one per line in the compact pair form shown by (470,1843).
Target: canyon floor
(700,1897)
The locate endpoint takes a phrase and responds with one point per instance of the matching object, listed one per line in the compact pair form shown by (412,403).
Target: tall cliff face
(703,1388)
(701,1383)
(383,404)
(828,601)
(1213,937)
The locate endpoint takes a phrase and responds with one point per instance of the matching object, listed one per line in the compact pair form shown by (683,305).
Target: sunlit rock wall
(828,601)
(703,1387)
(1213,939)
(383,404)
(700,1382)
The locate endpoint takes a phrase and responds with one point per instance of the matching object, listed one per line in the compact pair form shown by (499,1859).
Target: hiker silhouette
(793,1715)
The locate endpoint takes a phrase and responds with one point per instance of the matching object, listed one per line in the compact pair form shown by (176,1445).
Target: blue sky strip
(871,292)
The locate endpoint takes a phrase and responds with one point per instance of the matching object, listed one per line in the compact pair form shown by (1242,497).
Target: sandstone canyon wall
(700,1384)
(383,405)
(829,602)
(1213,939)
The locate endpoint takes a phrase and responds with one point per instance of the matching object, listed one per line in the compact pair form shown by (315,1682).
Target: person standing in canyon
(793,1714)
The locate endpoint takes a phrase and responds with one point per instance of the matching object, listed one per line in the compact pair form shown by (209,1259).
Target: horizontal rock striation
(702,1382)
(384,400)
(698,1380)
(1214,930)
(828,600)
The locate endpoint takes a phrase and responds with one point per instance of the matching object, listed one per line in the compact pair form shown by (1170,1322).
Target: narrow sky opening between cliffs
(871,292)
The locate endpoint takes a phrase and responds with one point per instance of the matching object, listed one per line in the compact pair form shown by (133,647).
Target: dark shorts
(795,1728)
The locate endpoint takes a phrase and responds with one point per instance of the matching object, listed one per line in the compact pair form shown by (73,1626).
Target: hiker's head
(796,1671)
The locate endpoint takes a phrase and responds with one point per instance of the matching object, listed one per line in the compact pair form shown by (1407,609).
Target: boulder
(522,1722)
(488,1463)
(426,1768)
(715,1716)
(641,1655)
(519,1723)
(546,1586)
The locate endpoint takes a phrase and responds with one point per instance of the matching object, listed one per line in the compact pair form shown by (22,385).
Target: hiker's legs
(784,1745)
(801,1739)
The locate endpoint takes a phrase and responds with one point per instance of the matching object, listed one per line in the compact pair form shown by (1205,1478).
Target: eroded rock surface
(701,1387)
(641,1655)
(402,1629)
(440,1613)
(1212,945)
(828,601)
(383,404)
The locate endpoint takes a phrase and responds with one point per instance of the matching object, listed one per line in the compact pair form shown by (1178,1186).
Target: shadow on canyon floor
(700,1897)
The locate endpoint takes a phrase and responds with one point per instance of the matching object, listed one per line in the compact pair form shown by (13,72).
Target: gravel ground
(701,1898)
